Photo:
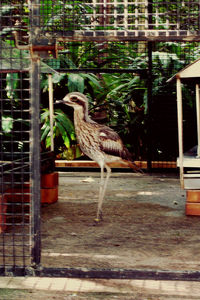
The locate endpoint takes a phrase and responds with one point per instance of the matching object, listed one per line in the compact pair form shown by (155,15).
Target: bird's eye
(74,99)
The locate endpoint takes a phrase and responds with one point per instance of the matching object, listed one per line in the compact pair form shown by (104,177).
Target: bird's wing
(111,143)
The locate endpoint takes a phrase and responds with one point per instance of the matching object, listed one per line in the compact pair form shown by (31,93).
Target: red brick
(192,209)
(193,196)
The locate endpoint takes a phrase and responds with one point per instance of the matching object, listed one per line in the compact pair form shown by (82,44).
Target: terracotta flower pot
(3,210)
(49,180)
(49,195)
(19,197)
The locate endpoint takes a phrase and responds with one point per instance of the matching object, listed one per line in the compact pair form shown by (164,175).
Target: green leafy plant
(122,96)
(63,130)
(6,124)
(12,82)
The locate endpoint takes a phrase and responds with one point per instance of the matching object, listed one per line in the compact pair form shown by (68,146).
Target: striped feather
(110,143)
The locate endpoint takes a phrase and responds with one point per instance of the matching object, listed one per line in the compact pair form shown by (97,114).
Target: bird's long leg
(108,169)
(103,186)
(99,212)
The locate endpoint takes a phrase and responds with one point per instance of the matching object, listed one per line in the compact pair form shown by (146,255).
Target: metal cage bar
(15,206)
(20,142)
(35,161)
(35,137)
(64,21)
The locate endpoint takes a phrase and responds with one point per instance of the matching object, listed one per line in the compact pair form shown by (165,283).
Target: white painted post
(180,129)
(51,109)
(198,118)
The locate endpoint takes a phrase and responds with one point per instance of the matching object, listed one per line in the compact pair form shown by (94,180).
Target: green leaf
(45,130)
(62,127)
(50,8)
(65,121)
(93,79)
(66,140)
(44,115)
(12,80)
(48,142)
(56,78)
(78,152)
(64,135)
(73,136)
(121,86)
(7,124)
(75,83)
(145,102)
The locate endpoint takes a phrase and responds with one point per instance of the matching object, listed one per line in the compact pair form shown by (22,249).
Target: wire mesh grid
(86,19)
(117,18)
(98,56)
(15,195)
(125,63)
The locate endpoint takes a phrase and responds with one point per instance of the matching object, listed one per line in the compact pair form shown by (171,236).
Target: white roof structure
(190,73)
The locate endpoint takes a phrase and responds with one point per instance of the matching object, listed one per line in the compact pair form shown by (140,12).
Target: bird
(97,141)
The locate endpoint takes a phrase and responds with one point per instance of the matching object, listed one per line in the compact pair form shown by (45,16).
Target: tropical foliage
(121,99)
(117,98)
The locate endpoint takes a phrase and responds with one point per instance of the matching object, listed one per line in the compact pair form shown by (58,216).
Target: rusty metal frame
(35,142)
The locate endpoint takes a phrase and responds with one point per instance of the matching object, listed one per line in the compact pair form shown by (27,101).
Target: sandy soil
(144,224)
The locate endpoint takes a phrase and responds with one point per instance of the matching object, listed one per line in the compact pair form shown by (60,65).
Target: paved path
(189,289)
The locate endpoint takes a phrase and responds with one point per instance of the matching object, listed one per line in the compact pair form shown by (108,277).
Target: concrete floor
(156,196)
(144,224)
(35,288)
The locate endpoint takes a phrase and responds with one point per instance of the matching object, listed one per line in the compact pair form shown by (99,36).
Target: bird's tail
(133,166)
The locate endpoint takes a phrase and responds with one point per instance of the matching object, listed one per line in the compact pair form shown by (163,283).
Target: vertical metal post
(35,161)
(51,109)
(149,91)
(198,118)
(149,105)
(180,129)
(35,139)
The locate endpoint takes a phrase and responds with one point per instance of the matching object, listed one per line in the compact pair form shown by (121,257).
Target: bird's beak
(60,101)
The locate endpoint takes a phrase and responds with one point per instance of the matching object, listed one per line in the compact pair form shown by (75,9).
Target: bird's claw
(98,219)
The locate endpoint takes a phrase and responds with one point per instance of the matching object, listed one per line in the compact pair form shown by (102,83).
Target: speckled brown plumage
(99,142)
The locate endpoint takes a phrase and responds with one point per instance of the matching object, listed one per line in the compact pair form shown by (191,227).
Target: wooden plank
(192,183)
(93,164)
(189,162)
(122,35)
(192,175)
(180,129)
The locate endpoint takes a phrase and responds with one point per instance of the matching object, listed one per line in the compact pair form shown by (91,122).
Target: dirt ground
(144,224)
(10,294)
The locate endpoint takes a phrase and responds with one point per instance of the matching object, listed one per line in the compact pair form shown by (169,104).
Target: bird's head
(76,100)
